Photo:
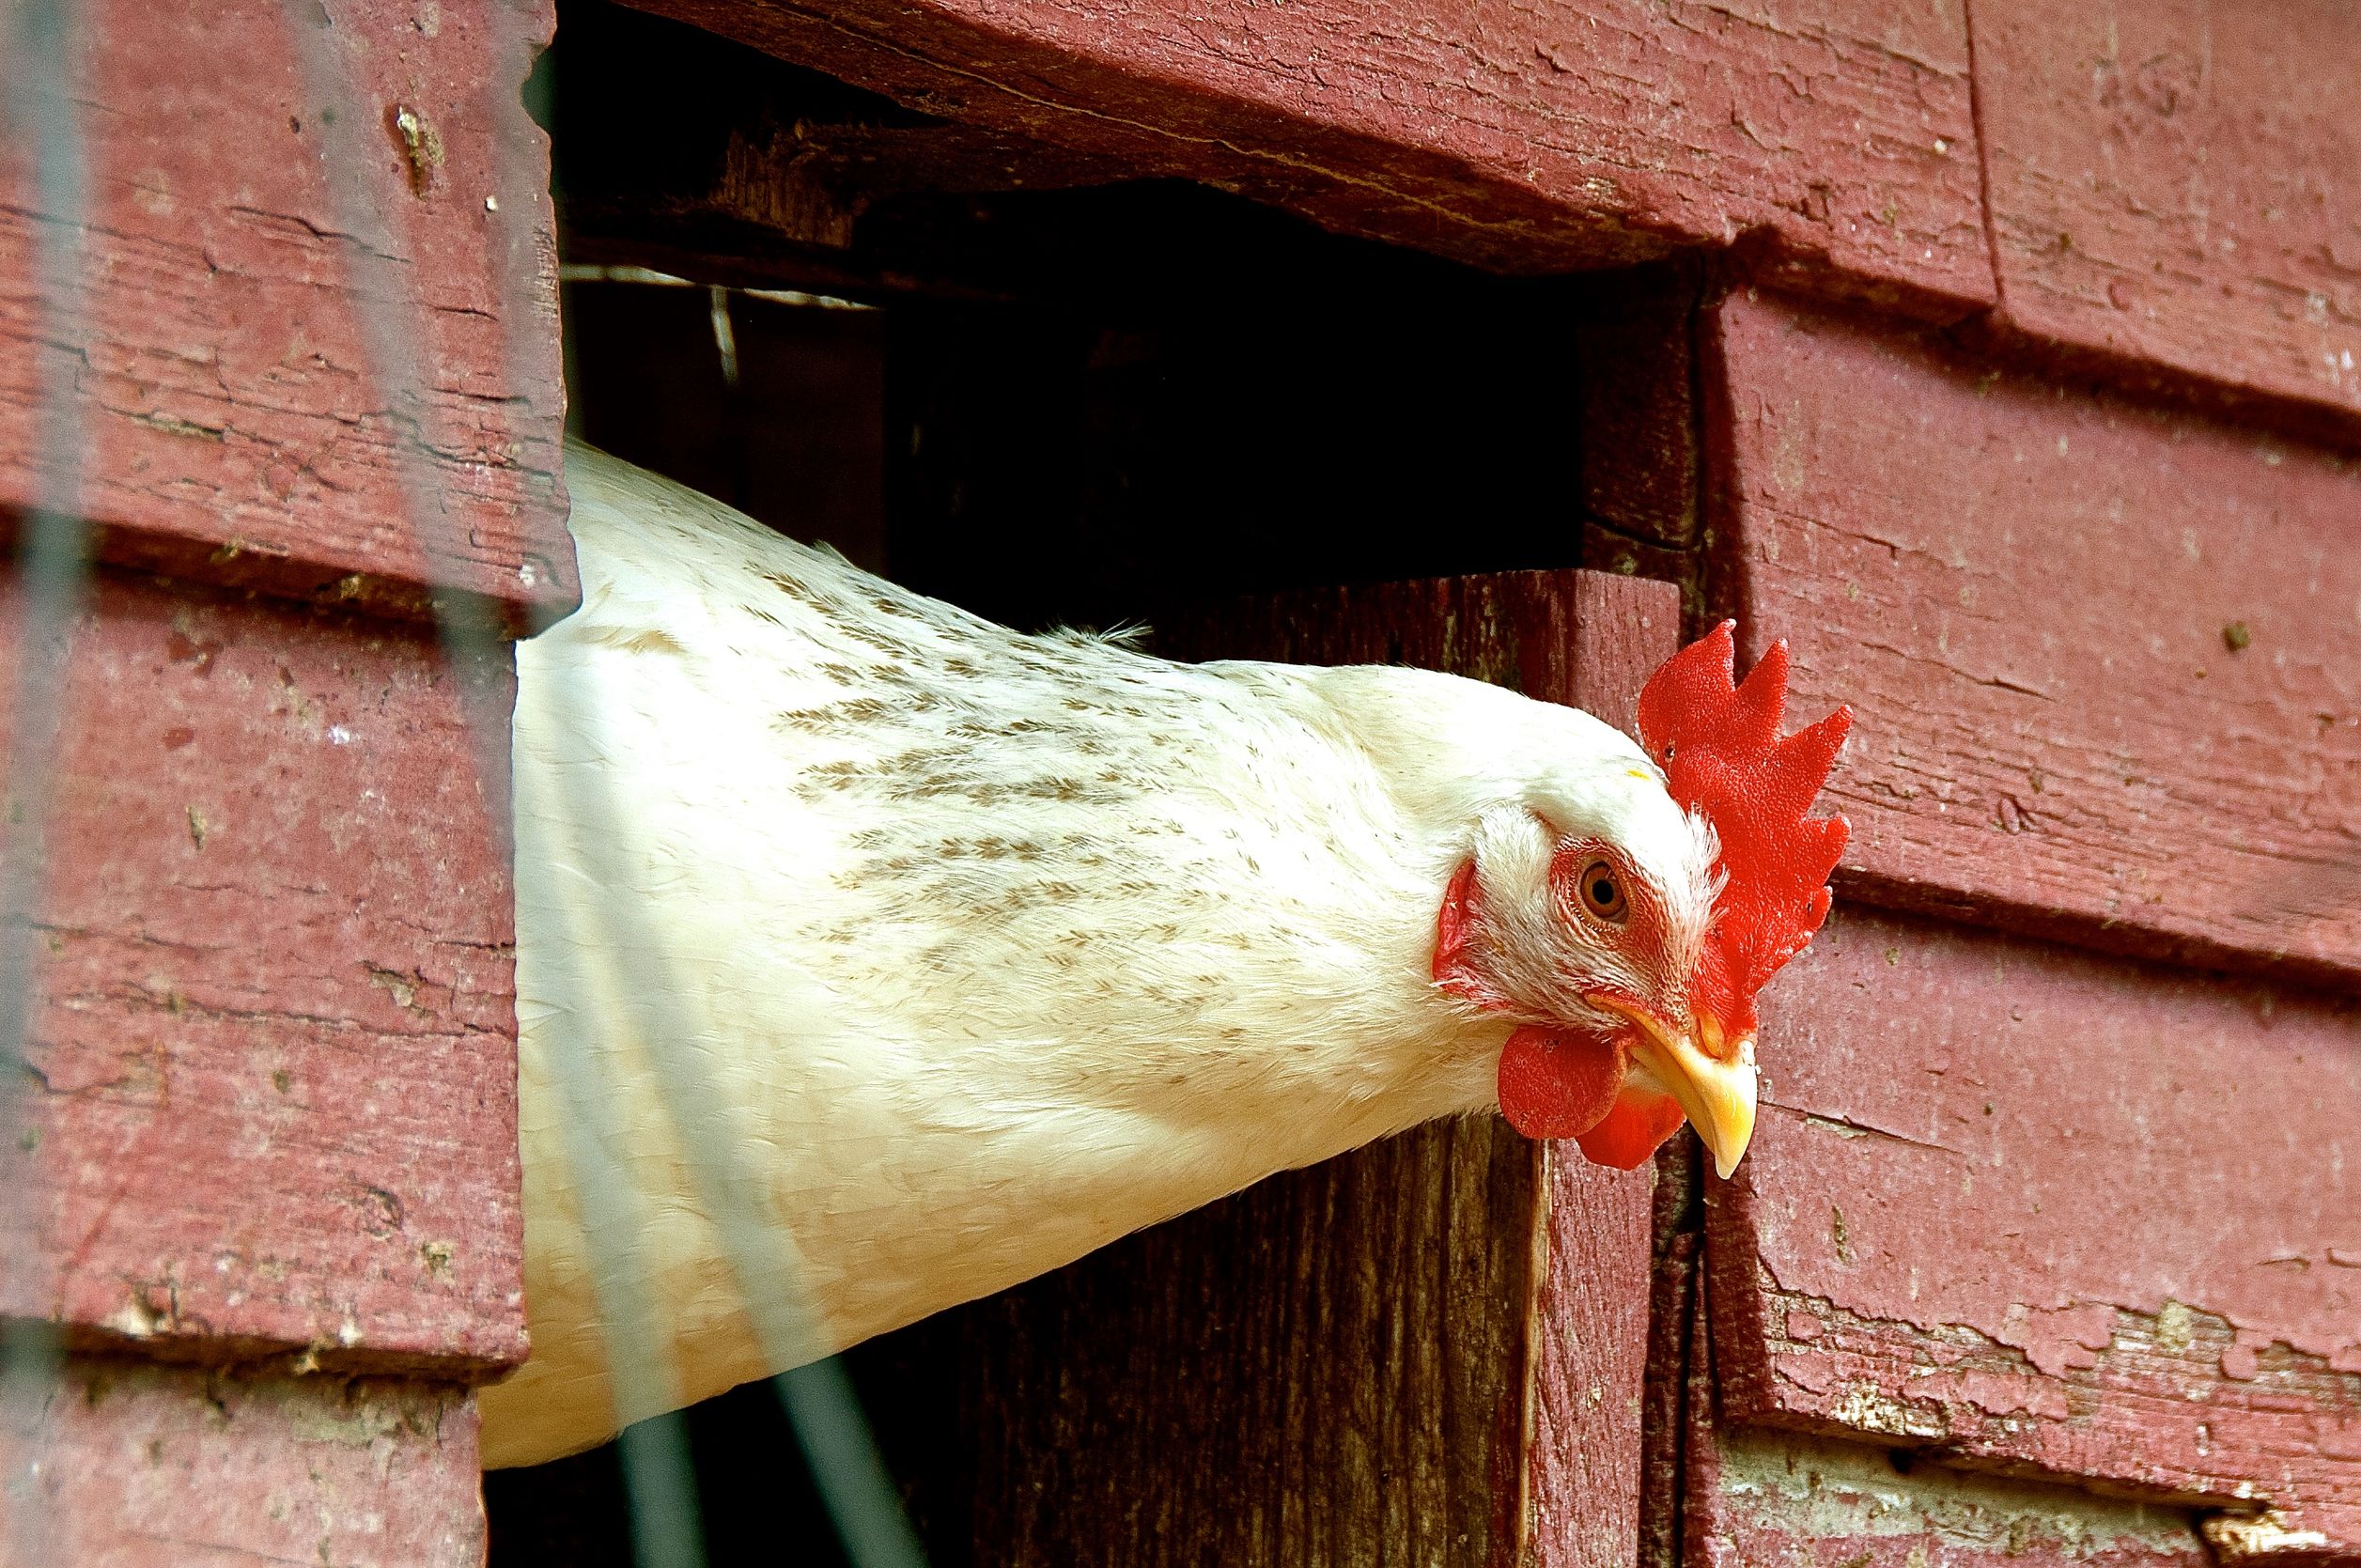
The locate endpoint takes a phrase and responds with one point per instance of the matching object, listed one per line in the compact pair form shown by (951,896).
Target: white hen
(876,953)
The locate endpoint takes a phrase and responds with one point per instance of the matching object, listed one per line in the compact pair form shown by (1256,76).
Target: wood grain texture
(2106,663)
(1833,135)
(1641,462)
(1593,1325)
(2056,1212)
(1427,1352)
(2173,184)
(1774,1500)
(126,1466)
(1327,1368)
(1591,1354)
(237,427)
(270,1096)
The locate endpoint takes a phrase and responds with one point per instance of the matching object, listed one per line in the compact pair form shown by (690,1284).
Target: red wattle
(1631,1131)
(1557,1085)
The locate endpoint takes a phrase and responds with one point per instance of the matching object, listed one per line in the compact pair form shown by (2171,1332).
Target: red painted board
(1834,137)
(1591,1328)
(1759,1499)
(2176,182)
(2030,597)
(2052,1211)
(1582,1462)
(117,1465)
(236,425)
(272,1103)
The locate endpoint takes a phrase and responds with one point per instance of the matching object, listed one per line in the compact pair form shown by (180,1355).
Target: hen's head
(1627,925)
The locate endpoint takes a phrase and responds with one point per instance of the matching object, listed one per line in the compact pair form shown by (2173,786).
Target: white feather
(973,951)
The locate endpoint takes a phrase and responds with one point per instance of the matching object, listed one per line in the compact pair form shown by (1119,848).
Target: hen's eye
(1603,891)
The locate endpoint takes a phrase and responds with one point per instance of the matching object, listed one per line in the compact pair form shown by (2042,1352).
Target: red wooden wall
(2020,395)
(260,1228)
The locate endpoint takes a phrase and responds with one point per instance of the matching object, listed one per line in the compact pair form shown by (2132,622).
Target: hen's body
(940,954)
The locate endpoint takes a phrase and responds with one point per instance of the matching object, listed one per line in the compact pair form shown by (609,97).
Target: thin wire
(829,1426)
(819,1402)
(659,1480)
(378,284)
(51,566)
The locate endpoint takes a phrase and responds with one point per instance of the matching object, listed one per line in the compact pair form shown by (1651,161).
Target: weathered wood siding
(265,1127)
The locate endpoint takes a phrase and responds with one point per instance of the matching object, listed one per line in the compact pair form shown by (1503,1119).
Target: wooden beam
(269,1104)
(2172,197)
(142,1466)
(1838,140)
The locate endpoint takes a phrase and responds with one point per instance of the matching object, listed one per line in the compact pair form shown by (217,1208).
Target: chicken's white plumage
(975,950)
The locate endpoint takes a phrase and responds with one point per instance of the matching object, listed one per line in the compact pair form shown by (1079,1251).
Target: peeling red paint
(2090,1277)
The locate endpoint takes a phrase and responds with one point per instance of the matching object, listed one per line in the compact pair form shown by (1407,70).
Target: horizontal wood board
(2056,1212)
(2175,185)
(1774,1500)
(125,1465)
(1834,137)
(271,1103)
(234,419)
(2106,662)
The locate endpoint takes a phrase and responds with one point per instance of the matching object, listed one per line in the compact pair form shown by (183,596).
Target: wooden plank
(1592,1325)
(1641,462)
(1759,1499)
(1373,1361)
(1327,1368)
(271,1104)
(1834,137)
(2173,186)
(2056,1212)
(2103,661)
(126,1466)
(235,424)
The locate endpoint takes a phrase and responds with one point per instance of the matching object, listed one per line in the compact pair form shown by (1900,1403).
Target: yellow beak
(1716,1091)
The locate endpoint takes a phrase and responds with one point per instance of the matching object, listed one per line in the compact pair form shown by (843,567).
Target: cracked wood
(138,1466)
(1773,1499)
(271,1102)
(1834,137)
(2104,661)
(2054,1211)
(235,428)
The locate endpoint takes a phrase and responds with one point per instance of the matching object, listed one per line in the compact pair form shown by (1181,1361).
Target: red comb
(1719,747)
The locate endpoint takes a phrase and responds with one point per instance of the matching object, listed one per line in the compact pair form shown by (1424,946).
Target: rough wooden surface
(1329,1368)
(128,1466)
(271,1102)
(2054,1211)
(1641,463)
(1591,1327)
(1346,1364)
(2173,184)
(1590,1330)
(1765,1498)
(2103,659)
(1834,137)
(238,425)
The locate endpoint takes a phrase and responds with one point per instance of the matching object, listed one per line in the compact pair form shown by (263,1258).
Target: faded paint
(1780,1494)
(239,431)
(2070,1227)
(2070,750)
(1480,131)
